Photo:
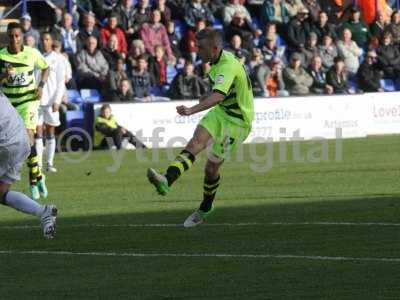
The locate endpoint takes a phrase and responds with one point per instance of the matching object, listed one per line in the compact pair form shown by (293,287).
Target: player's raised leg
(210,187)
(181,163)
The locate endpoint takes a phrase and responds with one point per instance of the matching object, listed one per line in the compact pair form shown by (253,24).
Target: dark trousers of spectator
(118,136)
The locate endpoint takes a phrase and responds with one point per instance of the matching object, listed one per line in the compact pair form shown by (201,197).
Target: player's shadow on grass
(120,232)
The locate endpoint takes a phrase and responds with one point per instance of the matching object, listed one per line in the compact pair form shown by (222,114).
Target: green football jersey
(21,87)
(229,77)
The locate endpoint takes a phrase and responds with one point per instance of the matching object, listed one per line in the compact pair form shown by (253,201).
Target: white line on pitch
(220,224)
(212,255)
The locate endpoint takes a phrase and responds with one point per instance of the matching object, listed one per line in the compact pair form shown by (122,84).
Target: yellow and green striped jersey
(229,77)
(21,87)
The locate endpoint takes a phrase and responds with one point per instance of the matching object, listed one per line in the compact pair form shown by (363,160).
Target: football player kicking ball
(227,124)
(14,149)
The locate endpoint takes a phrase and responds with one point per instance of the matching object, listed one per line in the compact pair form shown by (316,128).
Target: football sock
(34,170)
(22,203)
(181,164)
(39,150)
(50,149)
(209,190)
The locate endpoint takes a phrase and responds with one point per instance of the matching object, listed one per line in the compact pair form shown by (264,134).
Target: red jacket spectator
(154,34)
(111,28)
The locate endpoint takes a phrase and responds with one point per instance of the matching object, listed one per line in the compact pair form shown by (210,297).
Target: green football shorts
(226,134)
(29,113)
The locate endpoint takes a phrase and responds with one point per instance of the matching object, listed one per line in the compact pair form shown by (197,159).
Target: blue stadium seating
(180,28)
(156,91)
(388,85)
(90,96)
(171,73)
(218,24)
(74,118)
(74,96)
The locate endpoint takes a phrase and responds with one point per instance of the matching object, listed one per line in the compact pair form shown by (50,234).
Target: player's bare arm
(43,80)
(211,100)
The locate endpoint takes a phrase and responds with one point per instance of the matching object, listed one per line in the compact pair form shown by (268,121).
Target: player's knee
(195,145)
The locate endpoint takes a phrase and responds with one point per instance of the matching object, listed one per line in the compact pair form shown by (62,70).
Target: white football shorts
(48,116)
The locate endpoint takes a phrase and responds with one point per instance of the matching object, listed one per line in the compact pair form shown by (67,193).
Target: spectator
(164,11)
(274,11)
(298,30)
(379,27)
(337,77)
(319,85)
(322,27)
(191,40)
(270,31)
(112,28)
(158,66)
(123,93)
(142,15)
(369,75)
(29,40)
(293,7)
(389,57)
(154,33)
(216,7)
(141,81)
(328,52)
(314,8)
(242,27)
(195,9)
(349,50)
(111,53)
(359,30)
(271,79)
(202,71)
(177,8)
(297,80)
(256,62)
(270,50)
(89,29)
(69,36)
(107,127)
(236,48)
(233,7)
(137,49)
(115,76)
(126,14)
(186,84)
(92,68)
(394,27)
(174,40)
(310,50)
(27,29)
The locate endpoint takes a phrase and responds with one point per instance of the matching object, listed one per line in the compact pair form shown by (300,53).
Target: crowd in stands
(146,50)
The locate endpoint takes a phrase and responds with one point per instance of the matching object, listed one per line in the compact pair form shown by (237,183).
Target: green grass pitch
(303,230)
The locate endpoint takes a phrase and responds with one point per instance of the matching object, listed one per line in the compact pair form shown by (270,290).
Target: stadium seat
(218,24)
(171,73)
(156,91)
(74,96)
(90,95)
(388,85)
(74,118)
(180,28)
(353,85)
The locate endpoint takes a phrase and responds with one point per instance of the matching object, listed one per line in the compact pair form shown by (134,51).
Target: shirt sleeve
(223,79)
(40,62)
